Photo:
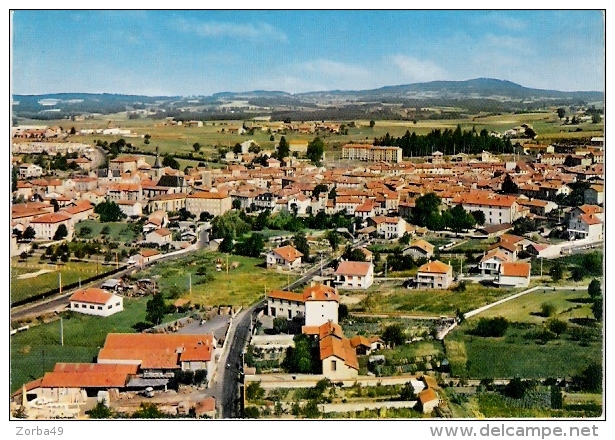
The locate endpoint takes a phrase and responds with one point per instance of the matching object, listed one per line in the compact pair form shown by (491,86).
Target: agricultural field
(117,231)
(243,285)
(37,350)
(392,298)
(45,276)
(568,304)
(180,139)
(527,349)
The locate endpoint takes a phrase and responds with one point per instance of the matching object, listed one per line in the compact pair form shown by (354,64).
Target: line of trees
(448,142)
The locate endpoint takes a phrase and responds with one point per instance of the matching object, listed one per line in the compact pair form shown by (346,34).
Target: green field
(179,139)
(390,297)
(71,273)
(568,304)
(36,351)
(240,286)
(517,353)
(118,231)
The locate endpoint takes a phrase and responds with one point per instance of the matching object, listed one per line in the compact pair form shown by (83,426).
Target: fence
(70,286)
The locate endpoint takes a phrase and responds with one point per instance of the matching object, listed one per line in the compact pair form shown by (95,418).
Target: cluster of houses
(316,307)
(128,362)
(381,193)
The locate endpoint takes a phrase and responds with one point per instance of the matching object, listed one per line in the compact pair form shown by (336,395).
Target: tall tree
(155,309)
(508,186)
(334,239)
(196,147)
(561,112)
(109,211)
(315,150)
(302,245)
(283,149)
(170,161)
(426,206)
(61,232)
(594,289)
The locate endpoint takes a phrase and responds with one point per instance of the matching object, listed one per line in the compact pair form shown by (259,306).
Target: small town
(241,256)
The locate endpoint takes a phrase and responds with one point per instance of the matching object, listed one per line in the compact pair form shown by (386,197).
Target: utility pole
(60,281)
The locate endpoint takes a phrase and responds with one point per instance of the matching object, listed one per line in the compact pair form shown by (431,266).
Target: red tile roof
(427,395)
(355,268)
(340,348)
(485,199)
(84,380)
(515,269)
(590,219)
(435,267)
(92,295)
(64,367)
(55,217)
(289,253)
(208,195)
(320,292)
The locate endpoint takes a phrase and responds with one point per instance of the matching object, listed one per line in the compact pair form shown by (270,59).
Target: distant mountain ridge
(479,93)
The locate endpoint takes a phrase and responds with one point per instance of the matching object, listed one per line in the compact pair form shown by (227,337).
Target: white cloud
(416,70)
(334,68)
(243,31)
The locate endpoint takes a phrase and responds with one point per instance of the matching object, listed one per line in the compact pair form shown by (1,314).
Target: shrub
(557,326)
(491,327)
(547,310)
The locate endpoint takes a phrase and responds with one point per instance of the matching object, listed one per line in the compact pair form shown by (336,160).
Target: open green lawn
(241,286)
(517,354)
(506,358)
(71,273)
(36,351)
(568,304)
(118,231)
(390,297)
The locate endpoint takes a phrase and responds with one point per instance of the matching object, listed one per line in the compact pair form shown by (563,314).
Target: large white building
(215,203)
(317,303)
(371,153)
(46,225)
(97,302)
(498,209)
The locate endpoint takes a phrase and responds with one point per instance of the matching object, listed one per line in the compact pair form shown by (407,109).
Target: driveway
(216,325)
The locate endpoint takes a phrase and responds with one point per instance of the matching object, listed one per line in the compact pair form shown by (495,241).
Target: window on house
(333,365)
(92,307)
(290,316)
(83,306)
(273,311)
(99,307)
(117,304)
(109,306)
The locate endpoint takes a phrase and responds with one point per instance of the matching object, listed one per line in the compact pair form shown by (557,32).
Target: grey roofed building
(172,182)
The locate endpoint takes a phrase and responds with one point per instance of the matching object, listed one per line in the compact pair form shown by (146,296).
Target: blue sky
(204,52)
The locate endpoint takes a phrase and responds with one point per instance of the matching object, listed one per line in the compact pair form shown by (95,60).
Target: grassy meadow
(519,351)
